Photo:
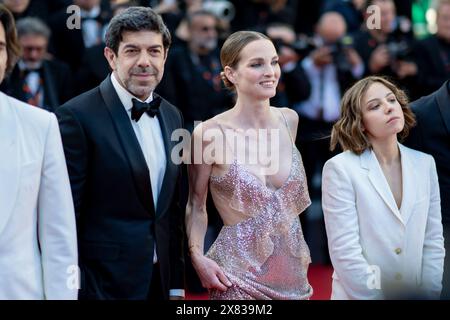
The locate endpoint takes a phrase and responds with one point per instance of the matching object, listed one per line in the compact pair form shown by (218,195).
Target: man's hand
(405,69)
(287,55)
(322,56)
(353,57)
(379,59)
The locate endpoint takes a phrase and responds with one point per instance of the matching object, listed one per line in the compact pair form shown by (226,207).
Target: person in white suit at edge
(381,201)
(38,248)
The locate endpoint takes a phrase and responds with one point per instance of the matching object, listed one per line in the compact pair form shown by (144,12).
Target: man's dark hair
(200,12)
(136,19)
(12,44)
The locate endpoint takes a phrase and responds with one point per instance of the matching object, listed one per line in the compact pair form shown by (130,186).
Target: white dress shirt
(91,29)
(149,135)
(33,81)
(325,91)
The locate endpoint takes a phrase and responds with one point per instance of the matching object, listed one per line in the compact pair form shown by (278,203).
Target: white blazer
(376,249)
(38,248)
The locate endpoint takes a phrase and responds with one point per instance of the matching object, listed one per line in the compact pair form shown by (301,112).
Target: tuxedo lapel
(444,105)
(10,164)
(170,176)
(378,180)
(129,143)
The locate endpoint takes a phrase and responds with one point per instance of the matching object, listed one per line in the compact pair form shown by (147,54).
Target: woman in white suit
(38,246)
(381,201)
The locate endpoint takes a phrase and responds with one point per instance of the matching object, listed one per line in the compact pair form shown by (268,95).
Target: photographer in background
(223,11)
(293,86)
(351,10)
(331,68)
(192,79)
(37,79)
(387,50)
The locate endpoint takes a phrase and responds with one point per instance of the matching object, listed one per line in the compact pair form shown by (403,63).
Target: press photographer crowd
(90,182)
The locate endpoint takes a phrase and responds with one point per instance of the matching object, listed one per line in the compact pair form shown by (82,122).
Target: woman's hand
(209,273)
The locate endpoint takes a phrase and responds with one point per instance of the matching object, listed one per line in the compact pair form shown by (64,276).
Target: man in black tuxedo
(69,45)
(117,141)
(36,79)
(432,135)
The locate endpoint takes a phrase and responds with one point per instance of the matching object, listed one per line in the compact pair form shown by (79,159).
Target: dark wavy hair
(12,43)
(136,19)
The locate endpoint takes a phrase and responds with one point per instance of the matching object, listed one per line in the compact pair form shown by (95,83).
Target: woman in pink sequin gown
(260,252)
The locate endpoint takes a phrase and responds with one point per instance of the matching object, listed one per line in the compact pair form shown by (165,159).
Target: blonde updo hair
(232,48)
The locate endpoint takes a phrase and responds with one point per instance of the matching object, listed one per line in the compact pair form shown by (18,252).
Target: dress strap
(287,126)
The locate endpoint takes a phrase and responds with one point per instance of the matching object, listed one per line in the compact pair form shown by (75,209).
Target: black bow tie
(152,108)
(98,19)
(27,71)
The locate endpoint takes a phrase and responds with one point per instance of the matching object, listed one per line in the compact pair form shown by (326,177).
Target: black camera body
(398,42)
(339,55)
(398,50)
(305,45)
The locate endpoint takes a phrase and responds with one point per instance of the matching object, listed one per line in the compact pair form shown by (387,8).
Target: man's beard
(133,85)
(209,44)
(32,65)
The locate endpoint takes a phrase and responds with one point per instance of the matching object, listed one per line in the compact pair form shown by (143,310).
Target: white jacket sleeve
(341,222)
(433,247)
(56,222)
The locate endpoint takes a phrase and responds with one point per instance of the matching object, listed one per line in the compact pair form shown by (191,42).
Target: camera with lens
(338,52)
(222,9)
(398,41)
(303,46)
(398,50)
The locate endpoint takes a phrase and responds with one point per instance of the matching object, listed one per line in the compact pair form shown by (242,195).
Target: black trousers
(156,292)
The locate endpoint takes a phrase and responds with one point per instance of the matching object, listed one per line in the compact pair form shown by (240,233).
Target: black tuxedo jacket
(432,135)
(58,84)
(94,68)
(117,222)
(432,72)
(68,44)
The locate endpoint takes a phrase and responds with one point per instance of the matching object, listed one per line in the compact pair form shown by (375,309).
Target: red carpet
(319,277)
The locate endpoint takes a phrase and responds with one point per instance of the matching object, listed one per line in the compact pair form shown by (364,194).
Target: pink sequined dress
(264,255)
